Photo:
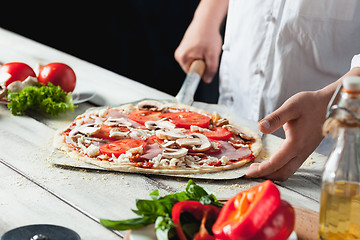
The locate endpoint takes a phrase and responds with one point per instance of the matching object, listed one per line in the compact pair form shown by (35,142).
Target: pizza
(160,138)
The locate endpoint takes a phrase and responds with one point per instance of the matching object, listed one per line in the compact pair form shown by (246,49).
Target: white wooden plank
(24,203)
(26,143)
(99,193)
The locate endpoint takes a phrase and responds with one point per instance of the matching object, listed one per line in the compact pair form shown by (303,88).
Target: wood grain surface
(35,191)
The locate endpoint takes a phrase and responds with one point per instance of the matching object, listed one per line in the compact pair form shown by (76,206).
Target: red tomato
(219,133)
(186,119)
(58,74)
(104,132)
(154,139)
(121,146)
(143,116)
(18,71)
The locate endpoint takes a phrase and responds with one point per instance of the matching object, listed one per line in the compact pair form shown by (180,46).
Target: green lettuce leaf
(49,99)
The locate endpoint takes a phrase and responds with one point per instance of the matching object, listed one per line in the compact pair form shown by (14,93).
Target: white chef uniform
(276,48)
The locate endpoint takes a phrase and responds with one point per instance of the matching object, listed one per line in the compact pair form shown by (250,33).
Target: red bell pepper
(201,212)
(257,213)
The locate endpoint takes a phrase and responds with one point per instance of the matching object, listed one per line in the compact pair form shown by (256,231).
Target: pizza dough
(159,138)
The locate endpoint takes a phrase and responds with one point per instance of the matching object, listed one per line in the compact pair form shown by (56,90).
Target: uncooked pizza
(156,137)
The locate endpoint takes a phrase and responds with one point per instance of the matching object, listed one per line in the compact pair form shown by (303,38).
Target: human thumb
(264,126)
(275,120)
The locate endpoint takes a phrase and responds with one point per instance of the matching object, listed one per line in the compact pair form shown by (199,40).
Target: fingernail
(207,79)
(252,170)
(265,124)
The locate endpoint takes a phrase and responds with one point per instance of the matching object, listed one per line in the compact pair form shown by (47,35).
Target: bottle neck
(343,164)
(351,102)
(345,114)
(348,138)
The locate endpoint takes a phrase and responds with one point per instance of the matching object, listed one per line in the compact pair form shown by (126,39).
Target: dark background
(135,38)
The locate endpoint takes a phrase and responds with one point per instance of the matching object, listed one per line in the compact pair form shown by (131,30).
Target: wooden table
(33,191)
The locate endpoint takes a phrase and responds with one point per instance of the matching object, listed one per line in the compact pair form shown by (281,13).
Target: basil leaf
(181,196)
(159,209)
(154,208)
(155,195)
(195,191)
(164,228)
(133,223)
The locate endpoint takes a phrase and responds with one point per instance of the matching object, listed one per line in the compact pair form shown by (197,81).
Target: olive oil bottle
(340,188)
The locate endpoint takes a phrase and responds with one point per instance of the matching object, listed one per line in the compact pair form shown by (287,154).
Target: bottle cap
(351,84)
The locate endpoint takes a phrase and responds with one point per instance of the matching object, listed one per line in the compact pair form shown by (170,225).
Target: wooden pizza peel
(184,96)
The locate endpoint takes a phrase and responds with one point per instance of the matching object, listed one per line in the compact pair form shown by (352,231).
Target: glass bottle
(340,187)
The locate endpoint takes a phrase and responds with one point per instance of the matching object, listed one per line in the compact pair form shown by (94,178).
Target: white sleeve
(355,62)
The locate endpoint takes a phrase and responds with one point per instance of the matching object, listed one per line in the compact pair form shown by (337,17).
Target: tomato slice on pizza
(154,139)
(121,146)
(142,116)
(181,140)
(186,119)
(217,133)
(104,132)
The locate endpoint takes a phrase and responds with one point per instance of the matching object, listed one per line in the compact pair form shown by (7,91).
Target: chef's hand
(200,43)
(202,39)
(302,117)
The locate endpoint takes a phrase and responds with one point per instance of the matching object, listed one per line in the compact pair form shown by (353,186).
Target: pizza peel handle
(197,66)
(192,80)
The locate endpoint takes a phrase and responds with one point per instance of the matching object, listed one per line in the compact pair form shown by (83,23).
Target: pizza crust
(60,143)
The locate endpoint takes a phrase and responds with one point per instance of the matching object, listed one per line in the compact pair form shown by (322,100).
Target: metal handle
(192,80)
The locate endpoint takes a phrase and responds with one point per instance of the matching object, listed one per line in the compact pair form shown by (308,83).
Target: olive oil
(340,187)
(340,211)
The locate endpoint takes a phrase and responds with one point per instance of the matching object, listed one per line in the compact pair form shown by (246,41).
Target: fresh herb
(49,99)
(158,211)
